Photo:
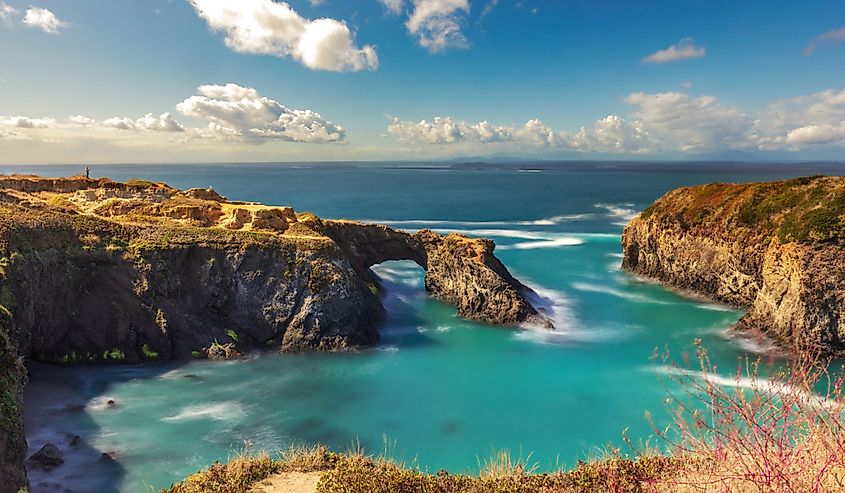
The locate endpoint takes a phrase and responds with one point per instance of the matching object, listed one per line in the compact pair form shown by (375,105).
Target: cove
(438,390)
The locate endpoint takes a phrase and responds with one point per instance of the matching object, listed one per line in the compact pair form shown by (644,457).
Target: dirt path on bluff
(289,482)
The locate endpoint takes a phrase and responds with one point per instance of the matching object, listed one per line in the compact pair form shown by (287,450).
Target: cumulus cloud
(814,119)
(830,37)
(437,24)
(684,50)
(393,7)
(241,112)
(43,19)
(26,122)
(163,123)
(688,123)
(660,122)
(611,134)
(266,27)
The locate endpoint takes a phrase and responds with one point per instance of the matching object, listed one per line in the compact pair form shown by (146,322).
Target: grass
(809,210)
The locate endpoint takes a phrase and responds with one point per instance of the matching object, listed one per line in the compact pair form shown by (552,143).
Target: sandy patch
(289,482)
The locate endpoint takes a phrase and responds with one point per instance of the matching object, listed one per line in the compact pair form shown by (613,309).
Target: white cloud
(437,24)
(43,19)
(7,12)
(316,3)
(684,50)
(445,130)
(393,7)
(815,119)
(680,121)
(163,123)
(81,120)
(269,28)
(241,112)
(830,37)
(612,134)
(25,122)
(488,7)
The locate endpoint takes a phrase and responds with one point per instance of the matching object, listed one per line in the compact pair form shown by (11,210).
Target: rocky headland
(774,249)
(95,271)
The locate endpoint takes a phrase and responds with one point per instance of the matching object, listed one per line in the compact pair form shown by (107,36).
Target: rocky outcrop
(775,249)
(458,269)
(96,271)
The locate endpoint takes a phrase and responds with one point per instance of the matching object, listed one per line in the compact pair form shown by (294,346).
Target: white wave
(504,233)
(101,403)
(388,349)
(557,306)
(531,245)
(548,221)
(636,297)
(751,342)
(529,171)
(718,307)
(622,211)
(222,411)
(758,384)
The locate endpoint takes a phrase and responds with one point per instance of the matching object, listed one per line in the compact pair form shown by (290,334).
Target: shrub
(755,434)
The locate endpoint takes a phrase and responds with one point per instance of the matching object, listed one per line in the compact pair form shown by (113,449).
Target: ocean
(438,391)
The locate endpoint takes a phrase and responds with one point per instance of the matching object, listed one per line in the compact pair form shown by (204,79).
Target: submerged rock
(776,249)
(47,458)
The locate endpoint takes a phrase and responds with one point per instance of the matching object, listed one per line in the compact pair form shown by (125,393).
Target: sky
(188,81)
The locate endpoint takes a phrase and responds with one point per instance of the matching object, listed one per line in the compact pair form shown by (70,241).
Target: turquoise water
(438,390)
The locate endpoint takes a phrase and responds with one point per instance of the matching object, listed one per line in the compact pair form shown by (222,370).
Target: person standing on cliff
(87,172)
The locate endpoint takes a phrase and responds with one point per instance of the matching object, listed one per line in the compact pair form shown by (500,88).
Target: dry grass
(783,433)
(740,434)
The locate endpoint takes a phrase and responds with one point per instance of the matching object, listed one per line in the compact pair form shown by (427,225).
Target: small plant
(114,355)
(750,433)
(148,352)
(232,334)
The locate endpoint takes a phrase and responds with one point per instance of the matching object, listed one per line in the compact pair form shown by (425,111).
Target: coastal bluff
(95,271)
(775,249)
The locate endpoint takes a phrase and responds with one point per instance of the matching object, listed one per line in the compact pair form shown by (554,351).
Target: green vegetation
(808,210)
(114,355)
(148,352)
(232,334)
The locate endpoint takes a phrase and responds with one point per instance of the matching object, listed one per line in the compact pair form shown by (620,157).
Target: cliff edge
(775,249)
(102,271)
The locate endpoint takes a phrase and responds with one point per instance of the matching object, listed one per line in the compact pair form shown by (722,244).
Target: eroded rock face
(463,271)
(95,271)
(148,272)
(773,249)
(458,269)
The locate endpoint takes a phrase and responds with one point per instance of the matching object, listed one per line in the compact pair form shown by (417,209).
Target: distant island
(98,271)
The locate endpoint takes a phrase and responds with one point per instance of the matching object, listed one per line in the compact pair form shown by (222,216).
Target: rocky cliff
(775,249)
(101,271)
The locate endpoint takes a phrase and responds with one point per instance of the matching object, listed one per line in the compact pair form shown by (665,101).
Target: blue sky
(258,80)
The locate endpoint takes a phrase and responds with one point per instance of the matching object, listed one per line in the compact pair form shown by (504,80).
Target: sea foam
(222,411)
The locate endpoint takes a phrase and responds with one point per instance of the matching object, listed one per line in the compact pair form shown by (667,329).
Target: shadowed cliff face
(96,271)
(774,249)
